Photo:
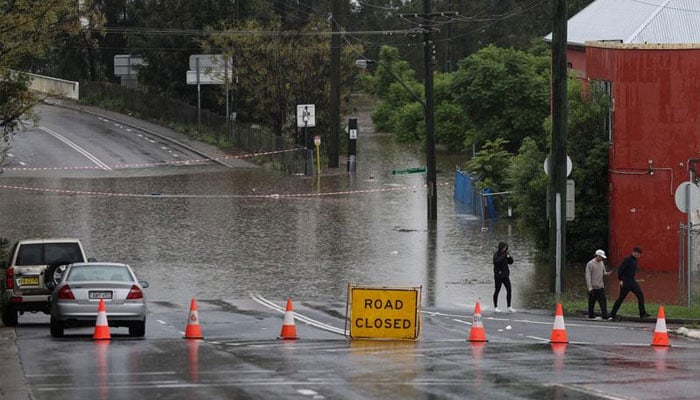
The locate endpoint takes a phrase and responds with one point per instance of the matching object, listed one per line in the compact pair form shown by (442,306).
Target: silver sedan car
(74,302)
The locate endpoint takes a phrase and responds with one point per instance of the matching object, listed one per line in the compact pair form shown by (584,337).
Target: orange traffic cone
(559,330)
(193,330)
(660,332)
(477,332)
(289,331)
(101,325)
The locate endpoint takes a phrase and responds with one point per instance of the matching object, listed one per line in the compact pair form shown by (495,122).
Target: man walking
(595,282)
(626,274)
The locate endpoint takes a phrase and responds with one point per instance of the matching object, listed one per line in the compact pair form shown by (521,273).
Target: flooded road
(211,232)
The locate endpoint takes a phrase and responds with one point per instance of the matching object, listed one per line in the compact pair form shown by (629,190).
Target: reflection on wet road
(240,357)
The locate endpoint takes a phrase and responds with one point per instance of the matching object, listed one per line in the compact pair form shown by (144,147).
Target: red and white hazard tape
(218,196)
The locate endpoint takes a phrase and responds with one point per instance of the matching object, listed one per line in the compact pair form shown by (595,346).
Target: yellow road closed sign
(383,312)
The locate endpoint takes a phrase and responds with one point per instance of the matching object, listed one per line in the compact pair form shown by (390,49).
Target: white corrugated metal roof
(636,21)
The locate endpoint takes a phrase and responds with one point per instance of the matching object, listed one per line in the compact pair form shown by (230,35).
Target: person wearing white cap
(595,282)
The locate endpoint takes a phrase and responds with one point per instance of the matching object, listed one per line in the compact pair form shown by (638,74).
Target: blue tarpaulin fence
(474,201)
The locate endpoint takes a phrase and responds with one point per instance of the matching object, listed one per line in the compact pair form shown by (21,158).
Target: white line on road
(76,148)
(318,324)
(590,391)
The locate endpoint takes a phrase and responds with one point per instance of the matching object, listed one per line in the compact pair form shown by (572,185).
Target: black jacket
(627,271)
(501,260)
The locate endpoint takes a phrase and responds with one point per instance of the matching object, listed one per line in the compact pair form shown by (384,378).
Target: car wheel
(56,328)
(9,316)
(138,329)
(53,274)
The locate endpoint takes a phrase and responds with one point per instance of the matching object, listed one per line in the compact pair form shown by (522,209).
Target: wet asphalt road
(241,357)
(208,233)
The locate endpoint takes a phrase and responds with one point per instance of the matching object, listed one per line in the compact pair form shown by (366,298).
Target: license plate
(103,294)
(29,281)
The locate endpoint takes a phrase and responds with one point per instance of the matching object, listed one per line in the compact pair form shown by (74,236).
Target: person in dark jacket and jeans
(626,274)
(501,274)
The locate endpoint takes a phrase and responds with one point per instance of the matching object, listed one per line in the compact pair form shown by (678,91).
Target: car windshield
(48,253)
(111,273)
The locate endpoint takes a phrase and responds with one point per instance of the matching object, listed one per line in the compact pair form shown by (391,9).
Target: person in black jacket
(501,274)
(626,274)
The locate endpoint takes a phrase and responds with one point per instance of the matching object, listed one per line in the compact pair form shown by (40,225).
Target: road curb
(677,321)
(14,386)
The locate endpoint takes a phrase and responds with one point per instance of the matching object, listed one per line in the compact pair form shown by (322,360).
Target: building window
(607,88)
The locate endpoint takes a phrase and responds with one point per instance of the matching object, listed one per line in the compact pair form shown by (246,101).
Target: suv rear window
(49,253)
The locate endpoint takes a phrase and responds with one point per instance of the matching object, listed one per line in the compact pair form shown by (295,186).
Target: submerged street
(242,240)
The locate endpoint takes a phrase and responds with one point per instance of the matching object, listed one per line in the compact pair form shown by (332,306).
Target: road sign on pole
(208,77)
(306,115)
(210,61)
(127,64)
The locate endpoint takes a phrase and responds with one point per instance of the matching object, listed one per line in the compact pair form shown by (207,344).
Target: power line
(200,32)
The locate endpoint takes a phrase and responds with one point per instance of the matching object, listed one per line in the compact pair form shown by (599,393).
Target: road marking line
(589,391)
(537,338)
(318,324)
(75,147)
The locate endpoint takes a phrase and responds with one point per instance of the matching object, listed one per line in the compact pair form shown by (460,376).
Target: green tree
(450,124)
(407,123)
(397,99)
(174,31)
(504,93)
(28,29)
(588,148)
(276,70)
(527,182)
(490,164)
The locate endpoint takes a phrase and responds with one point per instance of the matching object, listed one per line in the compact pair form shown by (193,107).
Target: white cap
(600,253)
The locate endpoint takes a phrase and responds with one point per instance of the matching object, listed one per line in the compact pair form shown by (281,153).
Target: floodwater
(210,232)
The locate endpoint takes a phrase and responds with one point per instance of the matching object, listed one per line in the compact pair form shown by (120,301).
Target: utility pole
(334,106)
(431,175)
(557,182)
(429,61)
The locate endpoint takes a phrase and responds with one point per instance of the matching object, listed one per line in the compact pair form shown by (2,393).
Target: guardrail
(54,86)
